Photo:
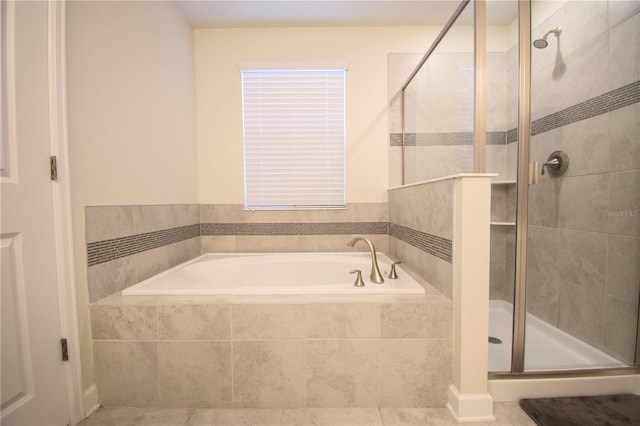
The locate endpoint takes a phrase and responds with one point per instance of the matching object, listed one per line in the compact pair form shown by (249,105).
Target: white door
(33,389)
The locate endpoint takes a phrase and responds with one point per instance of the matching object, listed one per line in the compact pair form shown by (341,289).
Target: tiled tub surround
(127,244)
(273,351)
(421,230)
(315,351)
(231,228)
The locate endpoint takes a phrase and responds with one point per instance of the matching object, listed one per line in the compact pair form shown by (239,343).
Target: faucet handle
(392,274)
(359,282)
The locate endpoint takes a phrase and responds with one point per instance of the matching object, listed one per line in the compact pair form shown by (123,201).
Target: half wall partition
(564,278)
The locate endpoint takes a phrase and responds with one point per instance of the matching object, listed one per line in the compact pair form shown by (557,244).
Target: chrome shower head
(542,42)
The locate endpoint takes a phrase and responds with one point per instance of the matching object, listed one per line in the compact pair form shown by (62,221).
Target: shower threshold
(547,348)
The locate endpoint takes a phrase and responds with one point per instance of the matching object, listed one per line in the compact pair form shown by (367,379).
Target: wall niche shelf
(503,202)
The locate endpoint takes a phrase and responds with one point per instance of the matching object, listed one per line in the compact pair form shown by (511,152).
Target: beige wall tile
(304,243)
(415,372)
(413,207)
(123,322)
(194,374)
(150,218)
(126,373)
(343,320)
(183,251)
(269,374)
(107,278)
(416,320)
(439,373)
(268,322)
(151,262)
(437,272)
(218,244)
(108,222)
(184,214)
(194,322)
(235,213)
(342,373)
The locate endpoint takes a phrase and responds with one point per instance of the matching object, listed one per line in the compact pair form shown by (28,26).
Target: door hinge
(53,166)
(65,349)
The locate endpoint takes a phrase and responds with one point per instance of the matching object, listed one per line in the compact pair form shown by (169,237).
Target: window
(294,138)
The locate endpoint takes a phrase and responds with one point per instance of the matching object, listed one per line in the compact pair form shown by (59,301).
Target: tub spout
(376,276)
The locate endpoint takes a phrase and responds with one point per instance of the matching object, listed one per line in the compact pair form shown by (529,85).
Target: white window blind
(294,138)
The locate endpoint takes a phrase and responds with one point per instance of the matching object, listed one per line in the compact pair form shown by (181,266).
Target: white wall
(218,55)
(131,114)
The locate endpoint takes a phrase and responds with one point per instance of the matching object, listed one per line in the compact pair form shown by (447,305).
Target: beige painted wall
(131,117)
(218,55)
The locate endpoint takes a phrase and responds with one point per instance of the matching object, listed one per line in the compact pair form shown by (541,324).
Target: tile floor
(507,414)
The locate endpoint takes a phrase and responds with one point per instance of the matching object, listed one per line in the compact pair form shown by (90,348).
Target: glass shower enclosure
(562,97)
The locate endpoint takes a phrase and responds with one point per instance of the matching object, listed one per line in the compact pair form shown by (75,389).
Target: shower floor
(546,347)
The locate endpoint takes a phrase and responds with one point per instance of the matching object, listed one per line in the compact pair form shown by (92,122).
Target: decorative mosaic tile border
(107,250)
(437,246)
(432,139)
(266,229)
(104,251)
(615,99)
(445,139)
(618,98)
(395,139)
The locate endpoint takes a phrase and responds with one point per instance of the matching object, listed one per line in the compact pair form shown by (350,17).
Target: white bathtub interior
(547,348)
(276,273)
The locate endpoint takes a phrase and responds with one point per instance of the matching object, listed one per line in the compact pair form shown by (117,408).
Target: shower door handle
(534,175)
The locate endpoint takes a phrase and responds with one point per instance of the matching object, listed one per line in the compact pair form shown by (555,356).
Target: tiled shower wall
(127,244)
(584,234)
(582,273)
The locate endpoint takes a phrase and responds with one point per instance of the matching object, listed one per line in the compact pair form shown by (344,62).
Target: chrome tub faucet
(376,276)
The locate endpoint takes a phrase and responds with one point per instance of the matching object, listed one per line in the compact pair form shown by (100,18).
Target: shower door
(583,222)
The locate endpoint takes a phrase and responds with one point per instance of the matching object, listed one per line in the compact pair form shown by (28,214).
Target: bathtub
(275,273)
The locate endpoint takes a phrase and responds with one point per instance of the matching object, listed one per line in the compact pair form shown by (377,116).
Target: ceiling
(301,13)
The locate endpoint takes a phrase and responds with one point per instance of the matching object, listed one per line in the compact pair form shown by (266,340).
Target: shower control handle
(557,163)
(553,164)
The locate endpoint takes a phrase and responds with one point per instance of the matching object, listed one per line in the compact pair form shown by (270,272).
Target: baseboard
(470,407)
(90,400)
